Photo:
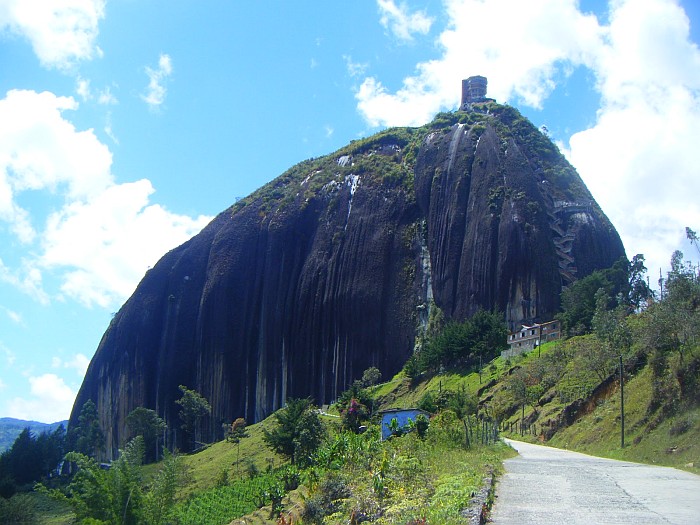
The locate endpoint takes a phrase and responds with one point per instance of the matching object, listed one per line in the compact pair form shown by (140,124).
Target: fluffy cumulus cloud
(102,236)
(61,32)
(638,156)
(50,400)
(519,54)
(79,363)
(401,22)
(125,235)
(156,90)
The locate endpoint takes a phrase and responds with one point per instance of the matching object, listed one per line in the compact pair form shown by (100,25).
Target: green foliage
(224,504)
(298,432)
(578,301)
(355,406)
(462,344)
(111,496)
(87,437)
(17,510)
(30,458)
(670,334)
(422,425)
(326,499)
(193,407)
(236,431)
(147,424)
(159,499)
(118,495)
(371,376)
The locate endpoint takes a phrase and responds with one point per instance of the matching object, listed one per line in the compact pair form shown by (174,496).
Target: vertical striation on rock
(330,268)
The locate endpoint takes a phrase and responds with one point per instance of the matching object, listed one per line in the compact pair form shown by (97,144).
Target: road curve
(546,485)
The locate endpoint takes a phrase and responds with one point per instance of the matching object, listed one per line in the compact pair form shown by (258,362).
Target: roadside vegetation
(304,466)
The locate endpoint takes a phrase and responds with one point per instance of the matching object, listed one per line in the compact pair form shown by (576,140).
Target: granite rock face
(332,268)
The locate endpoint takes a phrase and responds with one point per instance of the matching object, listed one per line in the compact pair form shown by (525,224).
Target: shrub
(18,509)
(681,426)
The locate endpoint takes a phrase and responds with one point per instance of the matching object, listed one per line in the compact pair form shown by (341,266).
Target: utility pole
(622,405)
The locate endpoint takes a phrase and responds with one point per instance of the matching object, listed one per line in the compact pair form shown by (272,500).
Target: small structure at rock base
(402,416)
(530,337)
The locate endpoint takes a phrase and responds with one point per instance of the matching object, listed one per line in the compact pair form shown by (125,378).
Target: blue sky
(126,125)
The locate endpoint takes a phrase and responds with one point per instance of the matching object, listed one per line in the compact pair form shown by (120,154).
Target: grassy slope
(205,468)
(598,433)
(595,433)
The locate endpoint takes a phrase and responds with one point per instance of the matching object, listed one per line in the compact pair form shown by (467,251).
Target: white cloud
(156,91)
(82,88)
(355,69)
(107,244)
(109,131)
(402,23)
(61,32)
(39,150)
(520,53)
(15,317)
(103,236)
(10,357)
(51,400)
(639,157)
(3,386)
(104,96)
(79,363)
(27,278)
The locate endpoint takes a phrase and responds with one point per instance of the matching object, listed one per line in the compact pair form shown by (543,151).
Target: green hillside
(304,465)
(10,428)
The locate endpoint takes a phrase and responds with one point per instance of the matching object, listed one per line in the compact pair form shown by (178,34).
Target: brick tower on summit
(473,90)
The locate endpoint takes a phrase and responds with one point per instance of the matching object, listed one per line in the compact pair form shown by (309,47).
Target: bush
(18,509)
(326,500)
(681,426)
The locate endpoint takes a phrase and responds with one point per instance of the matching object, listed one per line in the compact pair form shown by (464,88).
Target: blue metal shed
(402,415)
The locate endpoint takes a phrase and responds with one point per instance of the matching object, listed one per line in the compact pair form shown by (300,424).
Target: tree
(158,503)
(483,335)
(118,496)
(639,291)
(235,432)
(146,423)
(463,405)
(111,496)
(298,432)
(193,407)
(355,406)
(23,461)
(87,437)
(578,301)
(53,447)
(353,415)
(517,388)
(371,377)
(693,238)
(30,458)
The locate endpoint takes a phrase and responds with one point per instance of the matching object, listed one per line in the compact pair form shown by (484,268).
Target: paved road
(546,485)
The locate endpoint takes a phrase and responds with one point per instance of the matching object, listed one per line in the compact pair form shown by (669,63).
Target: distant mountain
(10,428)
